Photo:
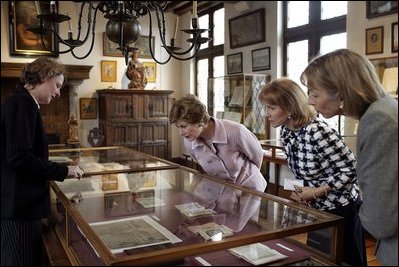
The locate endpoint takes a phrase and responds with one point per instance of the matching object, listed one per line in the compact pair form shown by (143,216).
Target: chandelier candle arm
(123,27)
(176,27)
(37,7)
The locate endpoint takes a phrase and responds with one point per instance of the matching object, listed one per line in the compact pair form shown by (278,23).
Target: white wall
(356,26)
(167,75)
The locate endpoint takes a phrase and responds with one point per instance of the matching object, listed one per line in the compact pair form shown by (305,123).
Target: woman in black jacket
(25,168)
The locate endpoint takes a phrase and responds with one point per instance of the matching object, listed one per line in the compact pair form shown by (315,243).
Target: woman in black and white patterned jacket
(317,155)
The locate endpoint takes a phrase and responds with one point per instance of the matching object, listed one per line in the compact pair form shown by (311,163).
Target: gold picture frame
(108,70)
(22,15)
(150,71)
(88,108)
(375,40)
(394,37)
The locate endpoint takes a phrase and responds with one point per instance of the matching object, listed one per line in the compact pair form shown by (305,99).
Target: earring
(289,117)
(341,105)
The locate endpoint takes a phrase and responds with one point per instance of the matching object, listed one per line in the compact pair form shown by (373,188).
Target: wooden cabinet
(136,119)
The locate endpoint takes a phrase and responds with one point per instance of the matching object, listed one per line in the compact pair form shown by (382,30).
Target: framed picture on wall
(234,63)
(108,71)
(22,16)
(247,29)
(150,69)
(261,59)
(88,108)
(375,40)
(111,49)
(380,8)
(143,46)
(394,37)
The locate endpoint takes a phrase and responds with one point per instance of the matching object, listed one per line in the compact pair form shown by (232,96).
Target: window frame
(313,32)
(211,51)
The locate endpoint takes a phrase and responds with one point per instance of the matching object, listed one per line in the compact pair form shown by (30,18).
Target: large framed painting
(23,16)
(247,29)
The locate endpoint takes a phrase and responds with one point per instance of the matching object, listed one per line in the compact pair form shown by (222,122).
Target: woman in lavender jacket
(222,148)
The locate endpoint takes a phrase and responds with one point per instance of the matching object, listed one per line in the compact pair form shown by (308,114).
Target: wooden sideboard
(136,119)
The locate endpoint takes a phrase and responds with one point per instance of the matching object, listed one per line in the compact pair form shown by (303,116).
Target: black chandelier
(122,27)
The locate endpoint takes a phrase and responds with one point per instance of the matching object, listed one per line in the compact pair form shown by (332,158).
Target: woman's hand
(302,195)
(75,171)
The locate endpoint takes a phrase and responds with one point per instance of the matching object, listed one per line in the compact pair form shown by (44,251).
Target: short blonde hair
(348,75)
(40,70)
(289,96)
(189,109)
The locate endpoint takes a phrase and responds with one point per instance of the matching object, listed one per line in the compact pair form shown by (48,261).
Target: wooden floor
(370,244)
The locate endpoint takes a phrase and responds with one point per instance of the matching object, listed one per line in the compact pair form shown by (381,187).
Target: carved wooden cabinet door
(138,119)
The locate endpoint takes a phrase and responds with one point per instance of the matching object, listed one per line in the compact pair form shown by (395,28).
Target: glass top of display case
(167,215)
(103,160)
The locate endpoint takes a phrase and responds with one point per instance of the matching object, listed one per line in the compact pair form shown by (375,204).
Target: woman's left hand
(302,195)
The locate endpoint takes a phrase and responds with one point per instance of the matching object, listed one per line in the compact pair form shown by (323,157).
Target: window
(312,28)
(210,60)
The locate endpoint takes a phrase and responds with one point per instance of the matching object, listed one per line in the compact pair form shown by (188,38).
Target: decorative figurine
(73,137)
(136,73)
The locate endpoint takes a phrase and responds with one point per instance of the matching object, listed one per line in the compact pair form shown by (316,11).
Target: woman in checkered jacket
(317,155)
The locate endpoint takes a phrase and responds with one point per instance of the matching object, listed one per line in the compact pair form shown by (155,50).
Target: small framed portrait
(88,108)
(261,59)
(375,40)
(234,63)
(150,71)
(23,16)
(108,71)
(394,37)
(380,8)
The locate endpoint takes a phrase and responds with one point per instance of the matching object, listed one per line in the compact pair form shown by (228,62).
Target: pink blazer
(236,156)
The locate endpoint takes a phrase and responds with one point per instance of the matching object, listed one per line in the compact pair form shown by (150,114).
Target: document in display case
(97,230)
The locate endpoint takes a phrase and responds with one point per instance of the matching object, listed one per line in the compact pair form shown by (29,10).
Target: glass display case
(170,214)
(235,97)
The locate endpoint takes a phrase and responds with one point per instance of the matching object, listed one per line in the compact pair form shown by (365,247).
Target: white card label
(289,184)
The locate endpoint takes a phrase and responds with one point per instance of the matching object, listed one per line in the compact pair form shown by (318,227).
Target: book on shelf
(257,253)
(240,96)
